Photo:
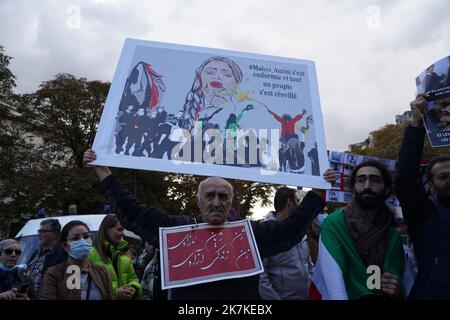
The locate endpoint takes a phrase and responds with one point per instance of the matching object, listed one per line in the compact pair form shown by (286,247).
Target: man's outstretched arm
(279,236)
(142,219)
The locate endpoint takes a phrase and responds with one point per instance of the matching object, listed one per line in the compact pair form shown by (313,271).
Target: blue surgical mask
(79,250)
(321,218)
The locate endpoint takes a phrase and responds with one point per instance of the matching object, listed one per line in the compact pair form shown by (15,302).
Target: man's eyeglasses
(372,179)
(10,251)
(41,231)
(77,237)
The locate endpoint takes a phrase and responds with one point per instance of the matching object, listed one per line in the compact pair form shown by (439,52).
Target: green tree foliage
(7,79)
(387,141)
(248,193)
(64,112)
(12,140)
(41,138)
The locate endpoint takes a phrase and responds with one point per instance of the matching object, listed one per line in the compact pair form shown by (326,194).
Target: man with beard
(360,251)
(428,218)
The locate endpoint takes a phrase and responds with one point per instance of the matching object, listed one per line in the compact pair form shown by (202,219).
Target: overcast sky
(367,53)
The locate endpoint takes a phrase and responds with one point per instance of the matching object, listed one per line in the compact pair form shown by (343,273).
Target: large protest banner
(202,253)
(435,81)
(207,111)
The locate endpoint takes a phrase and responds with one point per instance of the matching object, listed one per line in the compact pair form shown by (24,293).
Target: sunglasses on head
(10,251)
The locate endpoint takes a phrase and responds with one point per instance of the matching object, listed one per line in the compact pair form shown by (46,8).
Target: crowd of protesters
(307,252)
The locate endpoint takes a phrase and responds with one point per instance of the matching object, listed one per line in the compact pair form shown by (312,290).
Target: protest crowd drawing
(219,112)
(144,126)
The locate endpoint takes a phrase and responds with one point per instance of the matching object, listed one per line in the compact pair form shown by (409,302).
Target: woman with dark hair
(110,251)
(76,278)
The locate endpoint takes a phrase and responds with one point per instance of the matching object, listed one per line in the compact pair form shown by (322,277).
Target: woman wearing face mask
(110,251)
(76,278)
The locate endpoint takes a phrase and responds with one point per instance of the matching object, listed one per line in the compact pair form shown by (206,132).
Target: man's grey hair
(6,243)
(200,186)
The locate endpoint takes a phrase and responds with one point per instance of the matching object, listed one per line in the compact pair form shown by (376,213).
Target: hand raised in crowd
(418,106)
(89,156)
(126,292)
(102,171)
(330,176)
(390,284)
(9,295)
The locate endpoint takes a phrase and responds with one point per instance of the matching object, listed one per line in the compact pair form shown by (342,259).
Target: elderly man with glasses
(14,284)
(50,252)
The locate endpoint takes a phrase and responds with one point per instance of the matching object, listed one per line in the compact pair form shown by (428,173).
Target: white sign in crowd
(208,112)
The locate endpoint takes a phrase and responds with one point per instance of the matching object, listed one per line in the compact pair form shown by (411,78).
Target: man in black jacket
(214,198)
(428,219)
